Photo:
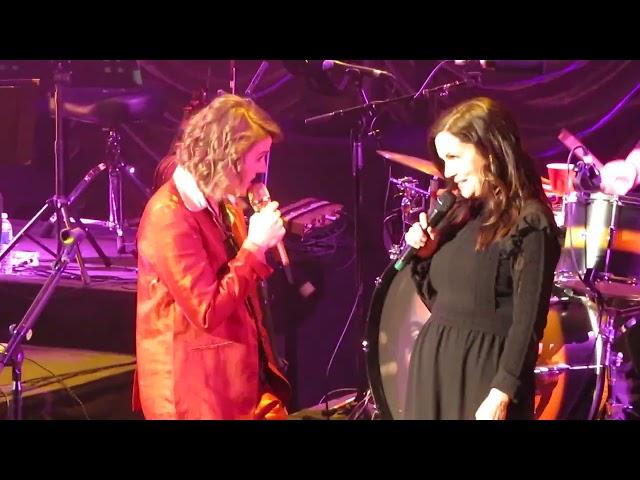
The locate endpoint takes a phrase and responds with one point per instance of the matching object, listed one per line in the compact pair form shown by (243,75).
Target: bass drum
(397,314)
(395,318)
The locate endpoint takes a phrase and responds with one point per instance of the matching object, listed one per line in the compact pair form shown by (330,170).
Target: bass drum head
(396,315)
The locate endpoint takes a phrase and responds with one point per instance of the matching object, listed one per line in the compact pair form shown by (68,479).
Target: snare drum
(602,233)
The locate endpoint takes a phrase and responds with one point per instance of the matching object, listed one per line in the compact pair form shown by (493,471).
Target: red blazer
(196,342)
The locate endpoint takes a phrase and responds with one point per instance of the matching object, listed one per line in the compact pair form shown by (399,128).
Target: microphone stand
(352,111)
(256,79)
(363,116)
(13,354)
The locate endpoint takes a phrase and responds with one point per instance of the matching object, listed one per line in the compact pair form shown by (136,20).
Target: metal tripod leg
(49,204)
(115,207)
(92,240)
(614,409)
(64,212)
(47,229)
(41,245)
(608,362)
(67,215)
(116,215)
(115,168)
(127,169)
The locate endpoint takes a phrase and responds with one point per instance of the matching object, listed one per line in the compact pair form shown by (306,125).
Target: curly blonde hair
(216,139)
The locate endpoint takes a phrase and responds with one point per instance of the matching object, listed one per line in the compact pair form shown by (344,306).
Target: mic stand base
(13,354)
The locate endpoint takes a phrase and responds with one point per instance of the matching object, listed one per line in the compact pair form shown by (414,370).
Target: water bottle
(6,236)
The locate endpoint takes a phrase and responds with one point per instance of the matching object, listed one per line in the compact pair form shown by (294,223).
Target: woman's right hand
(425,243)
(266,227)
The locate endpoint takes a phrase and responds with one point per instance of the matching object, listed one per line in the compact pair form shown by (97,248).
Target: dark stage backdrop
(596,100)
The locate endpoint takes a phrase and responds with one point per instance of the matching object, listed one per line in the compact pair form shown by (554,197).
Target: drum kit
(595,304)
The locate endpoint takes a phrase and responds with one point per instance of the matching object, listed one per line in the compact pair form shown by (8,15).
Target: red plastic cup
(558,174)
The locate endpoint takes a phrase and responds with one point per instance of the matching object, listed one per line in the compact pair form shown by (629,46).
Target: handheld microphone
(443,204)
(259,197)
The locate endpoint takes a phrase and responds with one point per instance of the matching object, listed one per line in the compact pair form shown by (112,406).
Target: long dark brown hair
(510,177)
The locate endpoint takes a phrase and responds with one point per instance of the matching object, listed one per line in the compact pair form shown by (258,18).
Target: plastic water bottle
(6,236)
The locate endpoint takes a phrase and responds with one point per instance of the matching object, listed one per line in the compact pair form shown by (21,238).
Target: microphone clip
(587,178)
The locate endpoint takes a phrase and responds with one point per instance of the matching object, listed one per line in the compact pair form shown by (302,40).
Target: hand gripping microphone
(258,198)
(443,204)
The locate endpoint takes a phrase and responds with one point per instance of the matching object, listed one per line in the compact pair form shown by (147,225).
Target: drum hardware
(365,409)
(601,260)
(394,252)
(627,326)
(561,368)
(603,234)
(606,361)
(413,198)
(413,201)
(601,249)
(611,360)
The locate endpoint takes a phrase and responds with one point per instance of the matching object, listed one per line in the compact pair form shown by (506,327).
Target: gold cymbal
(424,166)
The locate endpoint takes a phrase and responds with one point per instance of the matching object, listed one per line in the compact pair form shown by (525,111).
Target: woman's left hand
(494,407)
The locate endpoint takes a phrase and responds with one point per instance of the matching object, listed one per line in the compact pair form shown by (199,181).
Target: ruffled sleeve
(534,249)
(420,274)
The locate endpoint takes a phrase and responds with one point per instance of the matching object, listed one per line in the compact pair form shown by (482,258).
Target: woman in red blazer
(202,350)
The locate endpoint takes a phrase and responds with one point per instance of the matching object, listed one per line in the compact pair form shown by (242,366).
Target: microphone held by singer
(444,203)
(259,198)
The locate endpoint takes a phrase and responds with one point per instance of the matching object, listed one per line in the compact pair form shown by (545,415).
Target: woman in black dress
(486,274)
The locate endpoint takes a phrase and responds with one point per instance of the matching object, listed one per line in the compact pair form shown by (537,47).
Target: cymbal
(424,166)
